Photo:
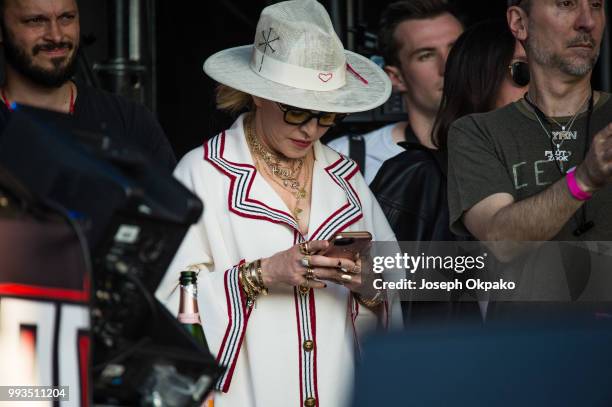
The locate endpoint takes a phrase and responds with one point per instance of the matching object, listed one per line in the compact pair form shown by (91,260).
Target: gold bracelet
(264,289)
(246,286)
(242,282)
(371,302)
(255,277)
(252,283)
(251,279)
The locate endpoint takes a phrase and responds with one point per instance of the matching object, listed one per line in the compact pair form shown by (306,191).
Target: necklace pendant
(558,155)
(301,194)
(562,128)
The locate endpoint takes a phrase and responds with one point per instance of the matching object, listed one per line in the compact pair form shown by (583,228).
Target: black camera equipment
(133,216)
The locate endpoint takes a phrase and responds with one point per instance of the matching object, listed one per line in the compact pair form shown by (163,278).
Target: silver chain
(569,127)
(573,119)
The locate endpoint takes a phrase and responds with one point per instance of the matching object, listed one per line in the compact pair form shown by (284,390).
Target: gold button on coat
(310,402)
(308,346)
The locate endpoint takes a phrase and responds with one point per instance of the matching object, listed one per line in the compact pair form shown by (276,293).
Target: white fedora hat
(297,59)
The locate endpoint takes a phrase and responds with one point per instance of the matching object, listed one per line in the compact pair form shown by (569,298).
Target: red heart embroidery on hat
(325,76)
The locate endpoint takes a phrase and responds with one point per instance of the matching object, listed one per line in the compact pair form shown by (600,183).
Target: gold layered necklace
(283,171)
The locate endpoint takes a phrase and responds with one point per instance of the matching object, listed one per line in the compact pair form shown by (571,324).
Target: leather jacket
(411,190)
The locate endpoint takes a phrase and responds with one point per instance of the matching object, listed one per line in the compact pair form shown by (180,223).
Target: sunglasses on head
(297,116)
(519,72)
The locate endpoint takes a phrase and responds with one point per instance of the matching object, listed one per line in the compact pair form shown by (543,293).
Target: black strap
(357,151)
(412,142)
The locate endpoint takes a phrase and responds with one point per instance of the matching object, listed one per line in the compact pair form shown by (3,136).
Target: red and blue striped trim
(238,314)
(306,317)
(341,172)
(241,180)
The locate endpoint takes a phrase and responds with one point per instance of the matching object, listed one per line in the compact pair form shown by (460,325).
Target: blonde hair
(233,101)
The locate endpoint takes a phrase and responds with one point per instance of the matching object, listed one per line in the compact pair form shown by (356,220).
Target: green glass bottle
(189,314)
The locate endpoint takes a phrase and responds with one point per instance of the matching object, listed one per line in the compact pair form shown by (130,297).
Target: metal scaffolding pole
(126,71)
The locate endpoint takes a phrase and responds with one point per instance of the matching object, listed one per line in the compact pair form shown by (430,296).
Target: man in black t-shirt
(40,41)
(44,289)
(541,168)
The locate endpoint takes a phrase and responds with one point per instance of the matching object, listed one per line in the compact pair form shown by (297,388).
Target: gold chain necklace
(298,193)
(286,178)
(288,174)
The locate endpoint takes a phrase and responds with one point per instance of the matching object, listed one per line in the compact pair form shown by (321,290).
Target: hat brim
(231,67)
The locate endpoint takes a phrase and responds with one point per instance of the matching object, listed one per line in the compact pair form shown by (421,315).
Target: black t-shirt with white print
(507,150)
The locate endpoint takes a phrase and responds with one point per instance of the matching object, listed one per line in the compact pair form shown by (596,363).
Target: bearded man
(40,41)
(540,169)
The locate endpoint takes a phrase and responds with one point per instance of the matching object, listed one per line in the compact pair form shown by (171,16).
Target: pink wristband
(574,188)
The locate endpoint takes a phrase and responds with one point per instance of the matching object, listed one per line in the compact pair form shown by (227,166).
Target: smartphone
(346,245)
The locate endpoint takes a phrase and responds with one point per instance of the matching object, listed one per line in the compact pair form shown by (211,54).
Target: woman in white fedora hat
(279,315)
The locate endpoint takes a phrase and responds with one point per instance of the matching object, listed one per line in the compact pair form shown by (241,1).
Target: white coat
(244,219)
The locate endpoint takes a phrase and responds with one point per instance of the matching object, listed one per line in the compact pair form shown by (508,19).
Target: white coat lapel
(248,195)
(335,205)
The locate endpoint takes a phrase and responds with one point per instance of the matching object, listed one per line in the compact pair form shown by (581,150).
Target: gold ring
(305,261)
(304,288)
(310,275)
(304,248)
(346,278)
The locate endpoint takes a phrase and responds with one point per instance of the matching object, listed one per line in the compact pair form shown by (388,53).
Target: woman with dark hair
(486,69)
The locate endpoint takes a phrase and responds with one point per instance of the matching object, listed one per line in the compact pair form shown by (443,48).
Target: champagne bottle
(189,314)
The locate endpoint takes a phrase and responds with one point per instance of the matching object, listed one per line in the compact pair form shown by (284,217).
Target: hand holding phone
(347,245)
